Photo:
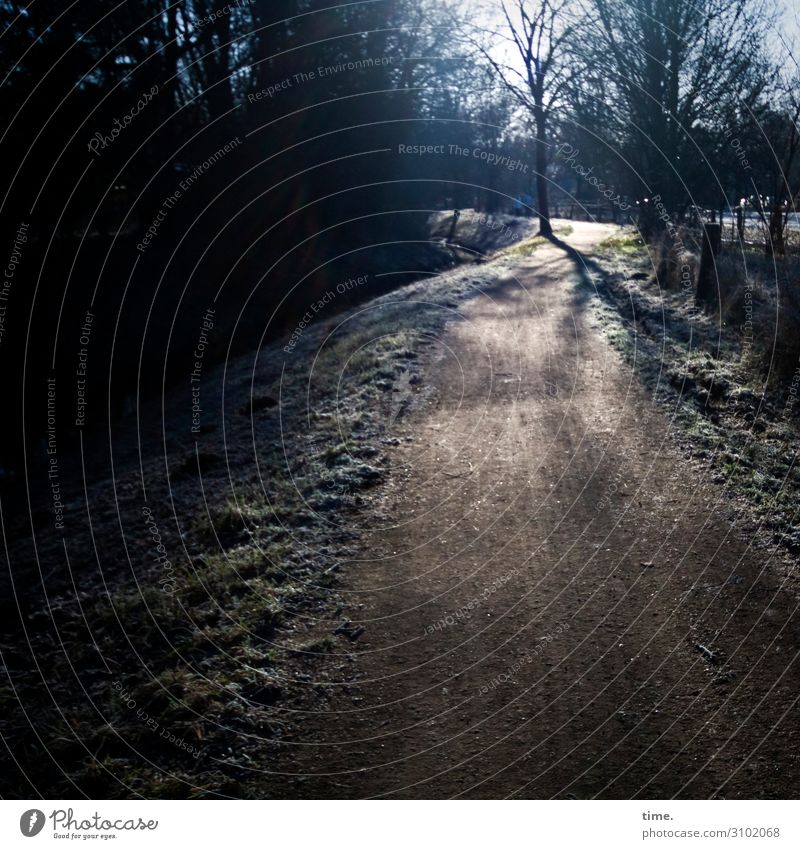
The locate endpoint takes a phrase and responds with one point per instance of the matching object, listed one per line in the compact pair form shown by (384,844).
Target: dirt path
(535,582)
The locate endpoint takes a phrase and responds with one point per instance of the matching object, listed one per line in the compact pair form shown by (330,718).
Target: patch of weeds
(351,356)
(177,695)
(223,574)
(619,338)
(334,454)
(527,247)
(232,520)
(317,645)
(261,614)
(627,242)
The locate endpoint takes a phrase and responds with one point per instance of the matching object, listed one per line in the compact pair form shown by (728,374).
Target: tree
(535,33)
(672,75)
(779,163)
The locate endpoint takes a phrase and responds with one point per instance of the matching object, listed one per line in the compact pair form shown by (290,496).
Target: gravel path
(536,580)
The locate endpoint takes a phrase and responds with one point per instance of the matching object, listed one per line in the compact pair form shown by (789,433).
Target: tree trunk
(543,204)
(775,244)
(706,294)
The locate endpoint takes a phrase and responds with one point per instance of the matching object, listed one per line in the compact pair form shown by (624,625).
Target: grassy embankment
(729,377)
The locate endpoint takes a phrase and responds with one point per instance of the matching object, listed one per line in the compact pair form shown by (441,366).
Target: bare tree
(535,31)
(670,72)
(781,132)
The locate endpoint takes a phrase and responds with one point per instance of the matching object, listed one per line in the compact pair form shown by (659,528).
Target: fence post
(712,243)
